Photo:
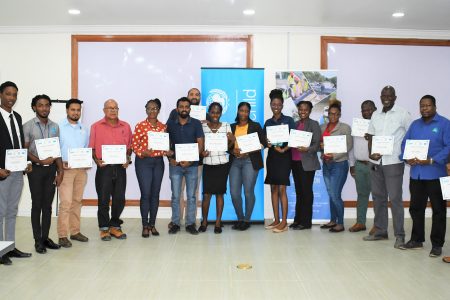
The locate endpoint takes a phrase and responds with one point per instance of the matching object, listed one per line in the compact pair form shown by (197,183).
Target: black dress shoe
(48,243)
(244,226)
(293,225)
(218,230)
(4,260)
(17,253)
(237,225)
(191,229)
(301,227)
(174,228)
(40,248)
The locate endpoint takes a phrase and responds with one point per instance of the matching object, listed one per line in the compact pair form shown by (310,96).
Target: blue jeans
(335,175)
(149,172)
(190,174)
(243,174)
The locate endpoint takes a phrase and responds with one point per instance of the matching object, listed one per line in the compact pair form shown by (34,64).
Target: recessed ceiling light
(398,14)
(74,11)
(249,12)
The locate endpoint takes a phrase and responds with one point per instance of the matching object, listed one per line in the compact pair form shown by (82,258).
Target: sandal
(217,230)
(202,228)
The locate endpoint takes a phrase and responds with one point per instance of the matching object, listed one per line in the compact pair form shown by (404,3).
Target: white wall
(39,60)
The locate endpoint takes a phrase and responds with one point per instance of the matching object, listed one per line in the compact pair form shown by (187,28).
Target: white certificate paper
(445,187)
(416,149)
(198,112)
(216,142)
(114,154)
(383,144)
(299,138)
(249,142)
(278,134)
(48,148)
(158,141)
(335,144)
(79,158)
(360,127)
(16,160)
(186,152)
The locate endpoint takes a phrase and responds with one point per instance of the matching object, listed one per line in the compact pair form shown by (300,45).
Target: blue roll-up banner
(229,87)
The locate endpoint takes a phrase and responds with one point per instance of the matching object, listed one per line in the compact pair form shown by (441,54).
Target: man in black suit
(11,183)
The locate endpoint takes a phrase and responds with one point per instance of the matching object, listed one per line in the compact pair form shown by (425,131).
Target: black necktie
(16,143)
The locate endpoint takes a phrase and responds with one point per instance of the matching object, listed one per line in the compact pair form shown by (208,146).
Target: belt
(363,162)
(39,165)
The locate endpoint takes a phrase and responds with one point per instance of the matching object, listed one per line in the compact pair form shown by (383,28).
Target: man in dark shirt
(184,130)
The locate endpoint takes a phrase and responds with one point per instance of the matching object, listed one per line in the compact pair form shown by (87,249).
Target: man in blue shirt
(424,176)
(73,135)
(184,130)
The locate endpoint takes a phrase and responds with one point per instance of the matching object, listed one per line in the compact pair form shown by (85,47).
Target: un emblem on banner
(219,96)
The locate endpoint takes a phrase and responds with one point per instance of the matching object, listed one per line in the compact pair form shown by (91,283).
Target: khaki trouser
(70,196)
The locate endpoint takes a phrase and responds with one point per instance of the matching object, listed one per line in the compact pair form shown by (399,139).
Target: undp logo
(219,96)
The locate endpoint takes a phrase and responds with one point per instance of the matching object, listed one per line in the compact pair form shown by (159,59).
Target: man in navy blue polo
(424,176)
(184,130)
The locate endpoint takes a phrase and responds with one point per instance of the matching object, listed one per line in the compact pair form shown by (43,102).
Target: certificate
(445,187)
(216,142)
(198,112)
(416,149)
(383,144)
(79,158)
(335,144)
(360,127)
(186,152)
(114,154)
(48,148)
(249,142)
(278,134)
(16,160)
(158,141)
(299,138)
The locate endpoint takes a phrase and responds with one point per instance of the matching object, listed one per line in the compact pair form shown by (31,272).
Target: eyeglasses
(112,108)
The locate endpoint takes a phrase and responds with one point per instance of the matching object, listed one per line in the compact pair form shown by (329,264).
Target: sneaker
(117,233)
(64,242)
(104,235)
(79,237)
(436,252)
(191,229)
(174,229)
(378,237)
(411,245)
(399,242)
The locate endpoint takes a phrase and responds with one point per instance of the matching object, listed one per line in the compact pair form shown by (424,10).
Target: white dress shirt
(6,118)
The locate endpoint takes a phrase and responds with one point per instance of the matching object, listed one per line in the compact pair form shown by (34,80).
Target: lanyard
(42,132)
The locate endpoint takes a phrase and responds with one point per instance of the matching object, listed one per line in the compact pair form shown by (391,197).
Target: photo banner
(318,87)
(229,87)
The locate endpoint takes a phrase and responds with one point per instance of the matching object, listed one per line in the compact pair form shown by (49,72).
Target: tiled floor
(310,264)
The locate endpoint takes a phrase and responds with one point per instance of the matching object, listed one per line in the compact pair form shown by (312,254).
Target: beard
(183,114)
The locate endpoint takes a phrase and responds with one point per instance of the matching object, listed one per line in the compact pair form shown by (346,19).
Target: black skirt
(278,167)
(215,179)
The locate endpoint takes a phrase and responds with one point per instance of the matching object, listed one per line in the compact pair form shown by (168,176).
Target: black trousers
(420,191)
(303,181)
(110,183)
(42,191)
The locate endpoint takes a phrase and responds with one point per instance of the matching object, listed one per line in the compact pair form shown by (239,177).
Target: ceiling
(419,14)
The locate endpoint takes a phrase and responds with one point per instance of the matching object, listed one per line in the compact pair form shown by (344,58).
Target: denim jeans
(335,175)
(149,172)
(243,174)
(176,173)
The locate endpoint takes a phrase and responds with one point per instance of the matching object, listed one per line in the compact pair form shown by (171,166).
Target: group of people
(381,175)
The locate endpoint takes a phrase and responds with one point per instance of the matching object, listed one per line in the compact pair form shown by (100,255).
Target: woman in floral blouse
(149,166)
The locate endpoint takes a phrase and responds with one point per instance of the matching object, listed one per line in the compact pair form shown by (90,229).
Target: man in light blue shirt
(72,135)
(424,176)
